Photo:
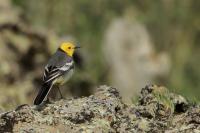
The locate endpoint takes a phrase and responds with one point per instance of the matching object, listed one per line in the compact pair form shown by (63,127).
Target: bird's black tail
(43,92)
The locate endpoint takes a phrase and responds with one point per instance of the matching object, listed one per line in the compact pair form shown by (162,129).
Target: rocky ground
(157,110)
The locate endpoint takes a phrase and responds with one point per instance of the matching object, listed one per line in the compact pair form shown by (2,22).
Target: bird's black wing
(52,72)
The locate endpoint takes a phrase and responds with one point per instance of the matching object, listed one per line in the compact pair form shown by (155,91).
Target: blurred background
(127,44)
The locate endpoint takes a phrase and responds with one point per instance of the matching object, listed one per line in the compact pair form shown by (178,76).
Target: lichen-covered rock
(157,110)
(156,102)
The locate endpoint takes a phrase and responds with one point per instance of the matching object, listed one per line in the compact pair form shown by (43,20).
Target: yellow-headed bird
(57,71)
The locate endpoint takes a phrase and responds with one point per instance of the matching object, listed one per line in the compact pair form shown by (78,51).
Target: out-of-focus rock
(131,57)
(23,53)
(7,13)
(24,50)
(105,112)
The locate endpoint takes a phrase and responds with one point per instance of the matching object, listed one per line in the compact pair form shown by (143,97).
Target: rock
(105,112)
(157,102)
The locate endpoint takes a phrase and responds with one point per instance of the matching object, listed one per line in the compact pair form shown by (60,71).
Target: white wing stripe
(51,74)
(52,78)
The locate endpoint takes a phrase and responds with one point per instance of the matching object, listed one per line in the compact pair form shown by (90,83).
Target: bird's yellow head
(68,48)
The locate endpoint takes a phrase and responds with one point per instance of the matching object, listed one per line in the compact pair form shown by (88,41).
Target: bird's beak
(77,47)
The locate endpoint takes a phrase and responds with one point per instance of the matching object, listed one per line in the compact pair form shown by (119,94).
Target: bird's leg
(48,101)
(61,96)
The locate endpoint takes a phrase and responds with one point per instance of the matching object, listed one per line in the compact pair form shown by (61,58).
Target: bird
(58,70)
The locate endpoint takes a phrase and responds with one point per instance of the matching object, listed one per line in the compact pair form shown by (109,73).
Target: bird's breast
(64,78)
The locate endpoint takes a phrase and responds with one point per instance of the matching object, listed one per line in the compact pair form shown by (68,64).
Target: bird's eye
(69,47)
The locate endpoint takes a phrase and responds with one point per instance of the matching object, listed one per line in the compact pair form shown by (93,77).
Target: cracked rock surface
(157,110)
